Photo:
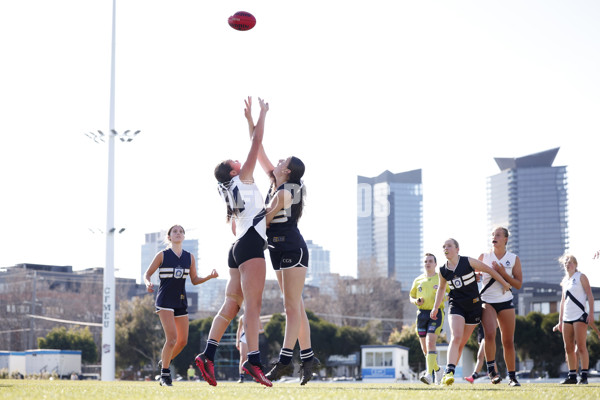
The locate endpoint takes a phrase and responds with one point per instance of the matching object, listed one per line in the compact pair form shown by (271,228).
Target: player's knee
(292,307)
(569,347)
(231,307)
(171,342)
(581,350)
(508,344)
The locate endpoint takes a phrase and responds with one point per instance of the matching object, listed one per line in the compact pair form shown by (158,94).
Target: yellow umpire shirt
(426,288)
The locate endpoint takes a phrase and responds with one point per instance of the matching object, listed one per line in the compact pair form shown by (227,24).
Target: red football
(242,21)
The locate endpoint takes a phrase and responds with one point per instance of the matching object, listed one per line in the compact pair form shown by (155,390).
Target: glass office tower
(390,226)
(529,197)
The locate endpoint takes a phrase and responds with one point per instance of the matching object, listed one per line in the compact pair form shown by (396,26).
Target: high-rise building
(154,243)
(318,263)
(390,226)
(529,197)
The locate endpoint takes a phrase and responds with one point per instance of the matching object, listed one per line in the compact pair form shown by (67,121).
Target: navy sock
(572,374)
(491,367)
(165,371)
(584,373)
(307,354)
(285,356)
(211,349)
(450,368)
(512,375)
(254,357)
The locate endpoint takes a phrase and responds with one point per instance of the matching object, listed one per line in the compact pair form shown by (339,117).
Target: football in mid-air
(242,21)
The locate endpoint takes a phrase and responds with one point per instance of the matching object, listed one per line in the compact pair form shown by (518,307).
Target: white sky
(355,88)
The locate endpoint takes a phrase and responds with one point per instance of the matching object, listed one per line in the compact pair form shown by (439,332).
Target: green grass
(124,390)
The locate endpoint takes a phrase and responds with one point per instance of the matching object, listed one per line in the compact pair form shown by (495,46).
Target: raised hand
(264,107)
(248,108)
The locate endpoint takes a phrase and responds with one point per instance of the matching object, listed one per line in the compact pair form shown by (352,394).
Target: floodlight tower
(108,290)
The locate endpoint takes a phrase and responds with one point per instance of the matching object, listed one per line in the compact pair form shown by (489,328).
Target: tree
(593,343)
(535,340)
(72,339)
(274,332)
(327,338)
(348,340)
(139,336)
(355,302)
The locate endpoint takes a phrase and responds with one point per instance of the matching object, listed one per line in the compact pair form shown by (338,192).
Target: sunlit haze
(355,88)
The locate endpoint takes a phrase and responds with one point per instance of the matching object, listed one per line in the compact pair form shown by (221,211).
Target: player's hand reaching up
(248,108)
(264,107)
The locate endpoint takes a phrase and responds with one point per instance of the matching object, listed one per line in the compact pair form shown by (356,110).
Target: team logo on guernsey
(420,289)
(508,263)
(457,282)
(435,287)
(178,272)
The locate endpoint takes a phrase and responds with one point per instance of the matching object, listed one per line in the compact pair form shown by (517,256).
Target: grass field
(124,390)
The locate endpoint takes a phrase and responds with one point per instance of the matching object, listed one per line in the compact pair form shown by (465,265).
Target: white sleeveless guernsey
(493,294)
(572,311)
(249,202)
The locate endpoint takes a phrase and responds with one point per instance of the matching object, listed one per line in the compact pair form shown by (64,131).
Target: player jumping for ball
(247,267)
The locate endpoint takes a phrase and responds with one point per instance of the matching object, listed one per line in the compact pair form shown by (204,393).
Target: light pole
(108,290)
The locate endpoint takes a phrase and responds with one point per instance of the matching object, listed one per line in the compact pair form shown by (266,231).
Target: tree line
(139,339)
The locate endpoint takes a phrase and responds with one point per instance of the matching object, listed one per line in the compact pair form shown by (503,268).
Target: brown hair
(504,230)
(222,171)
(431,255)
(455,243)
(223,175)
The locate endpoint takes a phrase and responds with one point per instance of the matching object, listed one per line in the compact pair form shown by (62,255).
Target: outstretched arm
(248,168)
(196,280)
(263,160)
(480,266)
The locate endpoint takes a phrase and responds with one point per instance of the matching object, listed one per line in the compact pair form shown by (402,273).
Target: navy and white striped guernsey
(172,273)
(283,233)
(464,291)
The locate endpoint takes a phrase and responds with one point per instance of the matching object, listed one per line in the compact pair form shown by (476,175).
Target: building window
(369,361)
(543,308)
(378,359)
(387,358)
